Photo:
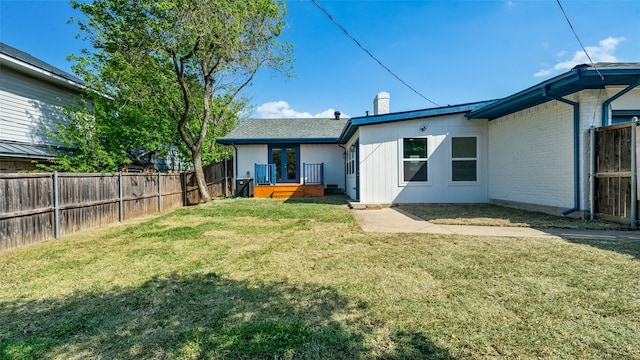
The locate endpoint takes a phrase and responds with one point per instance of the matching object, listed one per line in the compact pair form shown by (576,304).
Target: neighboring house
(32,95)
(289,157)
(527,150)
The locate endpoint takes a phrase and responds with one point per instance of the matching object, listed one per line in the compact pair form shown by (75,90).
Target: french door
(286,158)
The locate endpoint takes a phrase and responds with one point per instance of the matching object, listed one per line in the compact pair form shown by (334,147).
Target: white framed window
(415,160)
(351,160)
(464,159)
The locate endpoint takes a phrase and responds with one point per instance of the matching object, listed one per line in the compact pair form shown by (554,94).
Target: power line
(370,54)
(578,38)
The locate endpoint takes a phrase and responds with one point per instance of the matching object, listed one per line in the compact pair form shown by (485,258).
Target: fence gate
(612,198)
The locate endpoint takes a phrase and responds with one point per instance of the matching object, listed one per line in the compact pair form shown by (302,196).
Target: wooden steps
(297,194)
(288,191)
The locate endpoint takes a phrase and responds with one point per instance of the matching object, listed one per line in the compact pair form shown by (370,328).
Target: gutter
(634,175)
(606,103)
(576,148)
(235,162)
(344,163)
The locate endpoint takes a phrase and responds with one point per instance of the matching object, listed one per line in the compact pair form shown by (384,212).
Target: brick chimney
(381,103)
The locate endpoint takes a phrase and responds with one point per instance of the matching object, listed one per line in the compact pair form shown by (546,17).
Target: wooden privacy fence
(44,206)
(613,172)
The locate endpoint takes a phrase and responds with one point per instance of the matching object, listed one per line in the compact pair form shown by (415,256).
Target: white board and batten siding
(30,107)
(381,161)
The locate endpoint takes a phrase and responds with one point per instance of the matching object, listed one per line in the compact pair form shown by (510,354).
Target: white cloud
(603,52)
(282,109)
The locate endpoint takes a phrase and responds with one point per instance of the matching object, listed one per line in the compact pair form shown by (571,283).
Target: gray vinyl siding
(30,106)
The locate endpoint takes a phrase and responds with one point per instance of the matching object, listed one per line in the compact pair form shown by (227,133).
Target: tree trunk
(202,183)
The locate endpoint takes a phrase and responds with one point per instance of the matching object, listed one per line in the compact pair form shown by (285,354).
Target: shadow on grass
(412,345)
(198,316)
(622,246)
(327,199)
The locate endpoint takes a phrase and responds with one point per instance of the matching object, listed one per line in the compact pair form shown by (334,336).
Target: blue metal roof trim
(257,141)
(347,132)
(577,79)
(354,123)
(418,114)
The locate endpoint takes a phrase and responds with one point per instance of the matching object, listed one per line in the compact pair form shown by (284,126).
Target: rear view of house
(531,149)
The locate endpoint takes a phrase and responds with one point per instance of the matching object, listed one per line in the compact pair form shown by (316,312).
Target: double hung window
(464,159)
(414,159)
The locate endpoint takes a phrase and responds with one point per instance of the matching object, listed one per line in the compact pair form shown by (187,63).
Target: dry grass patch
(258,279)
(494,215)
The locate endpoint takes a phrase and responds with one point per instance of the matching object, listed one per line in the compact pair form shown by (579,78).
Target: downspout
(345,167)
(576,149)
(606,103)
(592,173)
(634,176)
(235,163)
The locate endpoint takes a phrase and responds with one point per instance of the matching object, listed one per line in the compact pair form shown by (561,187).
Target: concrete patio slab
(392,220)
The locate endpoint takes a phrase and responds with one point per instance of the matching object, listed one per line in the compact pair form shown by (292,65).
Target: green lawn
(269,279)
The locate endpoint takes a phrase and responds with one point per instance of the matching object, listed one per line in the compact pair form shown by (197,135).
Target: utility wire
(578,38)
(370,54)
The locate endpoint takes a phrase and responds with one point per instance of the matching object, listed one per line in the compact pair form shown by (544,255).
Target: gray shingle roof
(260,131)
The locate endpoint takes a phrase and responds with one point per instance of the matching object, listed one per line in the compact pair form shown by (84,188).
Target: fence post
(184,189)
(159,191)
(56,205)
(120,197)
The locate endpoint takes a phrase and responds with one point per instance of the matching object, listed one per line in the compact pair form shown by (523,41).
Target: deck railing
(264,174)
(313,173)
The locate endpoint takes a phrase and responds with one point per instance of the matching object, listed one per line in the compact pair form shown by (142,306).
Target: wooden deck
(288,191)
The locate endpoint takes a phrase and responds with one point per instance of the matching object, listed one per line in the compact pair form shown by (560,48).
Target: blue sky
(452,52)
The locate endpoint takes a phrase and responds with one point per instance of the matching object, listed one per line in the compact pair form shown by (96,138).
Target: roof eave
(420,114)
(35,71)
(348,132)
(261,141)
(568,83)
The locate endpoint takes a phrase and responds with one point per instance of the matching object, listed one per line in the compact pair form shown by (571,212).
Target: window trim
(401,160)
(351,159)
(476,158)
